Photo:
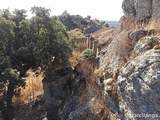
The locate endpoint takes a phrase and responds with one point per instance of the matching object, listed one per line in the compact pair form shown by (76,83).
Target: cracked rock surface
(139,87)
(141,9)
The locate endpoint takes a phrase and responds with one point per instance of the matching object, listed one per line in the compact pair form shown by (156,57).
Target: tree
(15,58)
(41,41)
(10,76)
(19,15)
(6,14)
(40,11)
(53,43)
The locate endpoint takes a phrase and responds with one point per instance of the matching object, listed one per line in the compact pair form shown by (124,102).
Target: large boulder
(139,87)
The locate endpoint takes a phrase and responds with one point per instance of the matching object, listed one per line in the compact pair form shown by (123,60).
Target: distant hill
(86,25)
(111,23)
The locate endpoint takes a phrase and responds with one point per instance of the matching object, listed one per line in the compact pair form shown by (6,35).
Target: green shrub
(86,54)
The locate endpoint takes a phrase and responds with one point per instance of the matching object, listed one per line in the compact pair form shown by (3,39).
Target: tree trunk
(8,114)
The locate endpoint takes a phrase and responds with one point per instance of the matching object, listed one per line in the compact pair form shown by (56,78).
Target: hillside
(111,23)
(86,25)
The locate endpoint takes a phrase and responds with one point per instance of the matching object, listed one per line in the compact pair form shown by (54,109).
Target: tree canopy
(41,41)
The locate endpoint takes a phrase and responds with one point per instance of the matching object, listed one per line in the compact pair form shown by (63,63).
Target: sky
(99,9)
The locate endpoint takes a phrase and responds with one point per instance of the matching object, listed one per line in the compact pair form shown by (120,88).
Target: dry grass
(150,25)
(122,47)
(127,24)
(92,93)
(113,116)
(98,108)
(74,59)
(97,103)
(133,24)
(153,23)
(87,69)
(34,88)
(103,35)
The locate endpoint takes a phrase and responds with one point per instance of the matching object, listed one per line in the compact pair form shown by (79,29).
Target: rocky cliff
(127,81)
(135,50)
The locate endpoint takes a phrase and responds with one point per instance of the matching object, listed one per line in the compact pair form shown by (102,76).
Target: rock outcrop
(135,49)
(155,8)
(139,84)
(144,44)
(139,80)
(139,14)
(141,9)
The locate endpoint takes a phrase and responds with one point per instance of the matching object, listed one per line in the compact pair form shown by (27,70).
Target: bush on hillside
(88,53)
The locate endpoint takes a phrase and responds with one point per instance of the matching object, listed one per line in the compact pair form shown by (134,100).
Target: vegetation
(81,25)
(41,41)
(78,33)
(86,54)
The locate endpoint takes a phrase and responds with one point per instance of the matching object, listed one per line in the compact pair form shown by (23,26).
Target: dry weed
(34,88)
(73,61)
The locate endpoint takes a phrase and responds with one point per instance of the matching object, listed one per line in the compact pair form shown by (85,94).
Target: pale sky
(100,9)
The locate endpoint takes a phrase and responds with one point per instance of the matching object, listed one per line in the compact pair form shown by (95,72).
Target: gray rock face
(155,8)
(141,9)
(129,8)
(76,110)
(139,87)
(137,34)
(137,8)
(144,44)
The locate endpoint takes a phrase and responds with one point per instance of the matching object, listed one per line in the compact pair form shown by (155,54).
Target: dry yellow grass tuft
(113,116)
(34,88)
(74,59)
(156,47)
